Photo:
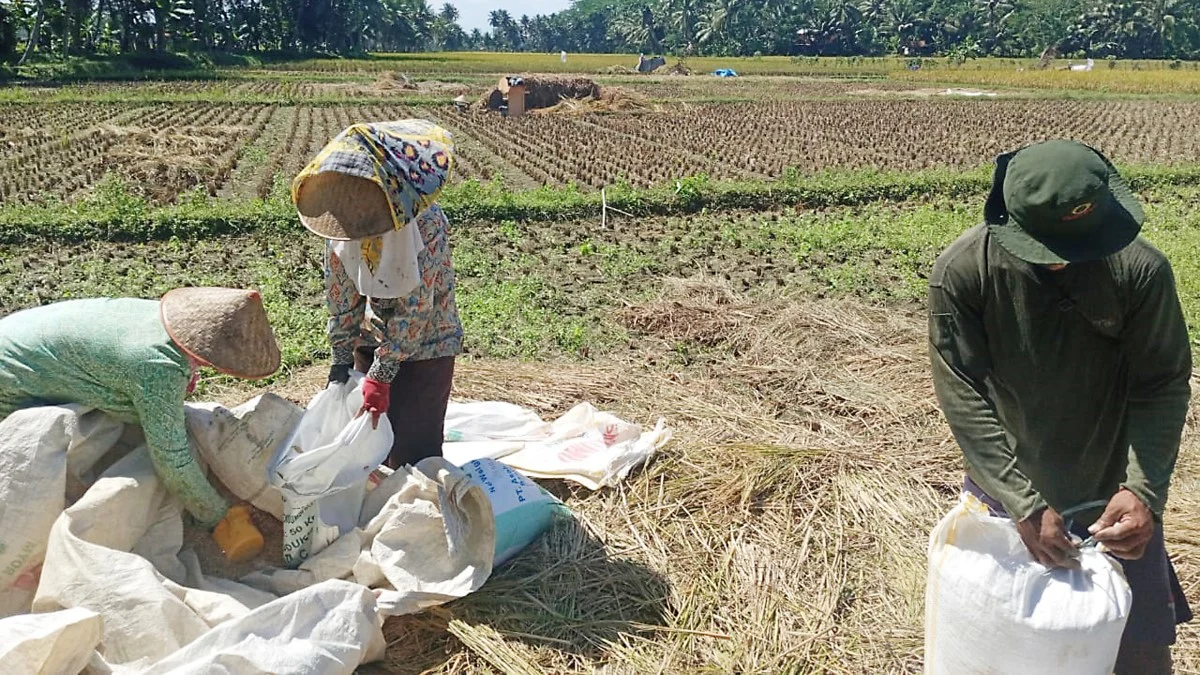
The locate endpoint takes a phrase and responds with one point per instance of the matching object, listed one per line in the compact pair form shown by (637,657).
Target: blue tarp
(725,72)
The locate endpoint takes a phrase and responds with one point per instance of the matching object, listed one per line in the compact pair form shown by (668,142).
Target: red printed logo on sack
(577,452)
(29,580)
(611,431)
(1079,211)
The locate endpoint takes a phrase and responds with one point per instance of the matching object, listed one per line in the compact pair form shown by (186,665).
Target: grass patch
(541,289)
(113,213)
(1130,78)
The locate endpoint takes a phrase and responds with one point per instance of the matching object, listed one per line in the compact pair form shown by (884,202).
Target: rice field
(61,150)
(758,280)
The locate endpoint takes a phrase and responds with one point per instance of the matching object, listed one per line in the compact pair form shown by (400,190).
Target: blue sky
(474,13)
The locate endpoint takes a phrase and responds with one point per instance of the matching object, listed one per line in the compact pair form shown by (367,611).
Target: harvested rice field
(754,272)
(165,150)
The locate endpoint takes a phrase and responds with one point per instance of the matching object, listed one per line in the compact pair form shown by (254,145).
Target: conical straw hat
(373,178)
(343,207)
(226,328)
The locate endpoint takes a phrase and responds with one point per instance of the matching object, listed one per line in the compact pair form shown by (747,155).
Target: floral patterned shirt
(423,326)
(115,355)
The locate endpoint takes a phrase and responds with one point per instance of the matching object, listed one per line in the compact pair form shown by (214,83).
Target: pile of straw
(610,99)
(676,68)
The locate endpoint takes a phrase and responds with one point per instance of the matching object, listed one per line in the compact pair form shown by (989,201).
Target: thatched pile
(395,81)
(160,164)
(611,99)
(545,91)
(676,68)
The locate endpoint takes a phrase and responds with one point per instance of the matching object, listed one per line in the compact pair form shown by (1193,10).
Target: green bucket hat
(1061,202)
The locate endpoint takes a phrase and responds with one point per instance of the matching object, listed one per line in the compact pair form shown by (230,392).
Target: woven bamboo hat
(373,178)
(343,207)
(226,328)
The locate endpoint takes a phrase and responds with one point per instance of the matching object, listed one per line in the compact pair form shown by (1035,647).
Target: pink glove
(376,396)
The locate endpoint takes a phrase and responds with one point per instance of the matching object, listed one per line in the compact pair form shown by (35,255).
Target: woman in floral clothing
(389,279)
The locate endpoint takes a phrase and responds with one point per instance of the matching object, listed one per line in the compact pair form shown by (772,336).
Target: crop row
(161,150)
(245,150)
(914,134)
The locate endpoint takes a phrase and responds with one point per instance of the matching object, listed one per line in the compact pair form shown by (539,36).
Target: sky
(474,13)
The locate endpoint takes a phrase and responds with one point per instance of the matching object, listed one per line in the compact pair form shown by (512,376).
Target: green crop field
(758,279)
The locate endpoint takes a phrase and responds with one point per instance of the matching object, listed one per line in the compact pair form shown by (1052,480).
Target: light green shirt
(114,355)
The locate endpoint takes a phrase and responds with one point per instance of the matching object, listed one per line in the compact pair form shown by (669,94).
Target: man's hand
(1045,535)
(1126,526)
(376,399)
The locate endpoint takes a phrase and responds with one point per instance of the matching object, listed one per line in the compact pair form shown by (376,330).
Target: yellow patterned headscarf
(372,251)
(410,160)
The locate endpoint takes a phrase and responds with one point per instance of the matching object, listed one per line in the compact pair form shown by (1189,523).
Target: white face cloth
(396,273)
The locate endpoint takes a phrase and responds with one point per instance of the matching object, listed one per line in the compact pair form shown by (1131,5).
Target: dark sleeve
(1155,342)
(961,365)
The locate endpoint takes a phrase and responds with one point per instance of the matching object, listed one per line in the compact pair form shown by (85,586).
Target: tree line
(966,28)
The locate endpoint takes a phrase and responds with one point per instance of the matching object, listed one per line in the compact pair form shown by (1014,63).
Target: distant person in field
(1061,360)
(389,280)
(137,360)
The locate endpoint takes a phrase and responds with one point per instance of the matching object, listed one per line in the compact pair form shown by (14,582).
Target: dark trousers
(416,406)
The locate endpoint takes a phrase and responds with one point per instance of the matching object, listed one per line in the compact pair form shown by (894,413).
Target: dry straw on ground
(784,529)
(676,68)
(610,99)
(163,163)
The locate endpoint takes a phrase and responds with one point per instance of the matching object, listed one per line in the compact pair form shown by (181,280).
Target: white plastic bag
(492,421)
(991,608)
(323,469)
(522,509)
(593,448)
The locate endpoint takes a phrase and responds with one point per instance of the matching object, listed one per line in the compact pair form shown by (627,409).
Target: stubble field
(761,286)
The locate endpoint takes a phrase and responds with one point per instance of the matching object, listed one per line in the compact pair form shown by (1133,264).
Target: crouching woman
(137,360)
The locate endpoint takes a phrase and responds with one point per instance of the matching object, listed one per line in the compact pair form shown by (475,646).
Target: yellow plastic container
(237,536)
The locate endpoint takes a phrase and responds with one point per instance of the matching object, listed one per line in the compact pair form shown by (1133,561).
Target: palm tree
(639,28)
(994,16)
(525,29)
(35,33)
(682,16)
(1163,16)
(719,22)
(499,20)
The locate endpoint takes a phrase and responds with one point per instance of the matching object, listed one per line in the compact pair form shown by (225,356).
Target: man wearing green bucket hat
(1061,360)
